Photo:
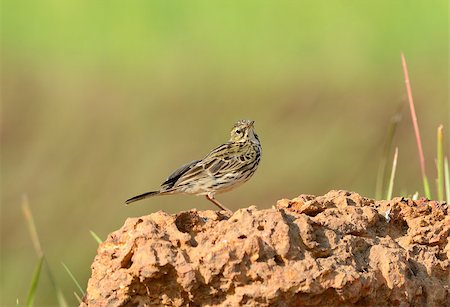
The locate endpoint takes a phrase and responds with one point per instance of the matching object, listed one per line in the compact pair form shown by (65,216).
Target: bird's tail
(142,196)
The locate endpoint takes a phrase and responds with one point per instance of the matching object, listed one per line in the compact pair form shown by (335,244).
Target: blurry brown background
(102,100)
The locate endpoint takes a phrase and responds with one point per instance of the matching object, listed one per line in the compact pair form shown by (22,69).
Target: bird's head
(244,131)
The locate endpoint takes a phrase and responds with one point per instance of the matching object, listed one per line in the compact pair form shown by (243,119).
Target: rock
(339,249)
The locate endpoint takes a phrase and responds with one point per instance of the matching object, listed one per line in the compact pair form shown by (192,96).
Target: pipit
(223,169)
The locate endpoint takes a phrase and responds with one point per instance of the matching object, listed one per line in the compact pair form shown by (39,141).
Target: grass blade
(31,226)
(73,278)
(426,186)
(78,297)
(34,282)
(440,163)
(37,247)
(447,180)
(381,174)
(392,178)
(59,295)
(96,238)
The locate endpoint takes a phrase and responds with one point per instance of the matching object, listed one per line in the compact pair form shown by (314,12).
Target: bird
(223,169)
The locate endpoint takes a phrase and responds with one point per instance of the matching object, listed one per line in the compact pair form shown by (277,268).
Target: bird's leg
(217,203)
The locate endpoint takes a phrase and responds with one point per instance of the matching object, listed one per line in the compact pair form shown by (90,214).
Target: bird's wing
(226,158)
(173,178)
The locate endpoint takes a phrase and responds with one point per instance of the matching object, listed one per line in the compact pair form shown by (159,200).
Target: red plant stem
(413,115)
(416,127)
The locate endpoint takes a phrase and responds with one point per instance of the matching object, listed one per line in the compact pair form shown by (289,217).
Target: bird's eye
(238,131)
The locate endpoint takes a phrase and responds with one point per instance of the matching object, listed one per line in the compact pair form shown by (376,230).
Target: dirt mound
(339,249)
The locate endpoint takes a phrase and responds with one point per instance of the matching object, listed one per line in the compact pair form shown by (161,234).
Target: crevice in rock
(126,261)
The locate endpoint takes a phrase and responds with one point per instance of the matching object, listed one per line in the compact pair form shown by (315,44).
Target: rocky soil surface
(339,249)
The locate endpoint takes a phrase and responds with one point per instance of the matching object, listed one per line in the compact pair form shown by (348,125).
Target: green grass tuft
(381,174)
(34,282)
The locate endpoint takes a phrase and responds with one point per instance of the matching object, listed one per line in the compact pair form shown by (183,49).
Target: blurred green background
(101,100)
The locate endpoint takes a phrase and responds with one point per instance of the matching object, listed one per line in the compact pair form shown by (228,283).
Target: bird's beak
(251,123)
